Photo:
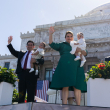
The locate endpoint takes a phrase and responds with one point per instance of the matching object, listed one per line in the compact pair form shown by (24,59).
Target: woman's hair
(68,32)
(80,33)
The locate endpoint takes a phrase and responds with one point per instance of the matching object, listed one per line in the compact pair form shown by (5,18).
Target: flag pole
(56,90)
(56,97)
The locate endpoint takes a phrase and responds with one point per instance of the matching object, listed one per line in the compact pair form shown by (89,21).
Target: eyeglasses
(30,45)
(69,36)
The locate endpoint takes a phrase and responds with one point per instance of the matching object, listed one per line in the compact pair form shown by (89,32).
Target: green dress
(68,72)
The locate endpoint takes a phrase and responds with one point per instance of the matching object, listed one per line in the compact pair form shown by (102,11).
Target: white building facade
(95,26)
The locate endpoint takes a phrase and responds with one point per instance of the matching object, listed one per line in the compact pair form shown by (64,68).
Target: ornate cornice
(101,44)
(89,45)
(4,57)
(80,21)
(27,35)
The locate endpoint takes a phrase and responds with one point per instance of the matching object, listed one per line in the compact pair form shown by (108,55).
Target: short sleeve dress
(68,72)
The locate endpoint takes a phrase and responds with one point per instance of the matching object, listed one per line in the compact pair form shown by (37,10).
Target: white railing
(57,100)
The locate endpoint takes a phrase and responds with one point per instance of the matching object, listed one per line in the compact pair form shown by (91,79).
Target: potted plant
(25,98)
(16,97)
(7,82)
(98,85)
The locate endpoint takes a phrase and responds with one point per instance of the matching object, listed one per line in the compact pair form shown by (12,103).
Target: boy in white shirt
(37,55)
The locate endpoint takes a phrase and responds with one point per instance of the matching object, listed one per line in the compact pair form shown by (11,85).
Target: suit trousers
(27,82)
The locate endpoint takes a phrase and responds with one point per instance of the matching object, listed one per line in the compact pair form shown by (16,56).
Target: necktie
(25,63)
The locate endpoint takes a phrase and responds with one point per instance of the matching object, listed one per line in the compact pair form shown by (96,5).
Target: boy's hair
(68,32)
(80,33)
(31,42)
(44,44)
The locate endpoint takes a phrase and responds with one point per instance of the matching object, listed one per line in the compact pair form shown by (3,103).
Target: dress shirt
(28,61)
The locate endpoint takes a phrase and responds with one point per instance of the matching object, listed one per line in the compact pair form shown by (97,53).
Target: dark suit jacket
(19,55)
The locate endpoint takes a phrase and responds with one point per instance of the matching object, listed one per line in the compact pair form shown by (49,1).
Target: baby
(36,56)
(81,44)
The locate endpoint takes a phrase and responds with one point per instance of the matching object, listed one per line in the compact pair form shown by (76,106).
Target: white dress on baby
(81,45)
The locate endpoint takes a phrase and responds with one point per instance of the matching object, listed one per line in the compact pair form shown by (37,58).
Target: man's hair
(68,32)
(30,41)
(44,44)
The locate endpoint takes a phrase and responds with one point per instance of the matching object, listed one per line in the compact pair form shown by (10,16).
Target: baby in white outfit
(80,44)
(36,56)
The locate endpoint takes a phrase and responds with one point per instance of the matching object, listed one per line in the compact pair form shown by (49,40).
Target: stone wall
(93,27)
(8,58)
(96,32)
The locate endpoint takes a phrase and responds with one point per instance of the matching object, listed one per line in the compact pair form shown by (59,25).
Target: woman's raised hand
(51,30)
(10,38)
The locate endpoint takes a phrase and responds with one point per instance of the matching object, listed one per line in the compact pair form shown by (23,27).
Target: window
(7,65)
(89,67)
(48,74)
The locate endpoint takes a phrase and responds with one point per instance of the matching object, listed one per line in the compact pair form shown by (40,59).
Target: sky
(24,15)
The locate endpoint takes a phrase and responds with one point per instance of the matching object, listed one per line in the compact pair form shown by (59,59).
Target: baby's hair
(44,44)
(80,33)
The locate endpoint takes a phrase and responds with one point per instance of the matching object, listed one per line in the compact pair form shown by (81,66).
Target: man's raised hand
(10,38)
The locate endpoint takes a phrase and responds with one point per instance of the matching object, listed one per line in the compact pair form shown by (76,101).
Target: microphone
(107,58)
(93,56)
(95,52)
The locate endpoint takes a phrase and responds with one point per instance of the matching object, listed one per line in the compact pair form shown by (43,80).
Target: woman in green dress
(68,74)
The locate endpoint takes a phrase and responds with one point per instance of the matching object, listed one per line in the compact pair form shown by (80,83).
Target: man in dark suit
(27,81)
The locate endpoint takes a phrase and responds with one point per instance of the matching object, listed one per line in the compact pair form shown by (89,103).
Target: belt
(26,70)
